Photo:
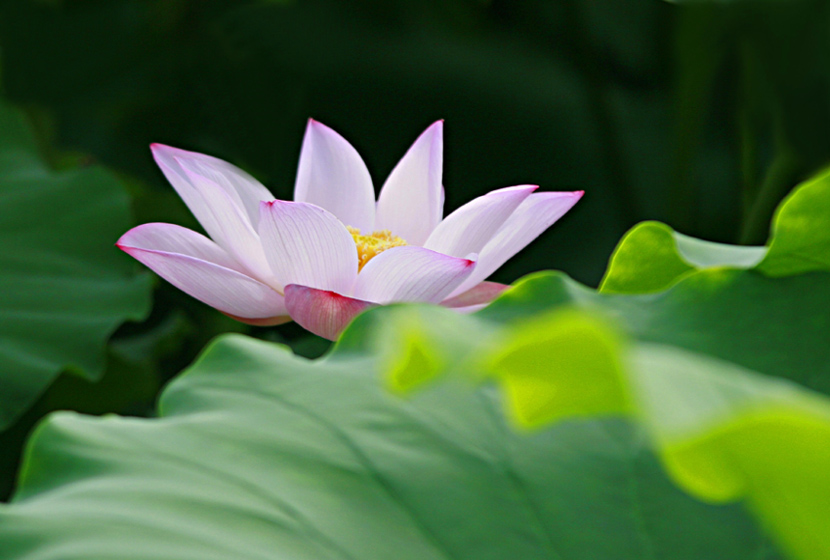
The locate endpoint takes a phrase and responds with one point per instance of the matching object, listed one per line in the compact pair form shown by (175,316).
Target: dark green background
(700,114)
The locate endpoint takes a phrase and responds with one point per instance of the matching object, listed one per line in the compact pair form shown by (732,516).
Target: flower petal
(228,290)
(537,213)
(307,245)
(480,295)
(323,312)
(411,273)
(243,189)
(410,204)
(332,175)
(233,230)
(468,229)
(169,238)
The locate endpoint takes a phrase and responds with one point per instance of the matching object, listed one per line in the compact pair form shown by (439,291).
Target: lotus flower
(334,251)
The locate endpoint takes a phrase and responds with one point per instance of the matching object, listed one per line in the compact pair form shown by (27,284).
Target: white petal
(411,274)
(307,245)
(227,290)
(468,229)
(234,231)
(243,189)
(323,312)
(410,204)
(223,217)
(537,213)
(332,175)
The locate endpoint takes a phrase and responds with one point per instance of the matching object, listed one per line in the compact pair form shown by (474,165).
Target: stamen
(370,246)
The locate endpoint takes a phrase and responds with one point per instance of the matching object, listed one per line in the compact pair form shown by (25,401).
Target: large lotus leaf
(63,287)
(258,453)
(652,256)
(724,432)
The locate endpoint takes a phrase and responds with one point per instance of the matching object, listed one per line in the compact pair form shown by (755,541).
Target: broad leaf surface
(63,287)
(261,454)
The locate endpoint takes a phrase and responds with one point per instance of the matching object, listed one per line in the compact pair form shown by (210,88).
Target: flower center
(370,246)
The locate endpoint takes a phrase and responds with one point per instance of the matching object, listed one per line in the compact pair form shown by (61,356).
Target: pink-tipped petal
(307,245)
(332,175)
(537,213)
(468,229)
(243,189)
(411,274)
(169,238)
(410,204)
(225,289)
(323,312)
(477,297)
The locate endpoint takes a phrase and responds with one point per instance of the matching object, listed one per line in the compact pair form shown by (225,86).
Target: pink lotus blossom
(334,251)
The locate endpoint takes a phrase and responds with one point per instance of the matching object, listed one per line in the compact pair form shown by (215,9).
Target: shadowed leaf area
(64,289)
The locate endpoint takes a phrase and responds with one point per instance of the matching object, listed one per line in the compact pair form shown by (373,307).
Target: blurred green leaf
(559,367)
(775,326)
(64,288)
(724,433)
(727,433)
(259,453)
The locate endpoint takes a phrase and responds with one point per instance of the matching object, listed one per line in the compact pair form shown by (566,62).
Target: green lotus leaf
(800,239)
(651,256)
(258,453)
(645,260)
(715,357)
(64,288)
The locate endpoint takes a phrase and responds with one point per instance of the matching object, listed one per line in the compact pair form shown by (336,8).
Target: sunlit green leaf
(558,366)
(646,260)
(777,326)
(652,256)
(801,231)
